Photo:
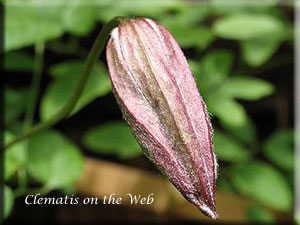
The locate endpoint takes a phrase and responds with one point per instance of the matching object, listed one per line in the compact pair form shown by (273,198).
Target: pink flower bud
(160,101)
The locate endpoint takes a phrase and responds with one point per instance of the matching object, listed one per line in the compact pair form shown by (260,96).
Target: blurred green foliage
(14,156)
(18,61)
(15,103)
(55,162)
(246,26)
(66,74)
(280,143)
(8,201)
(229,149)
(257,214)
(263,183)
(124,145)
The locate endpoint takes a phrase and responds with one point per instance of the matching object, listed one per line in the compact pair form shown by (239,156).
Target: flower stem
(96,50)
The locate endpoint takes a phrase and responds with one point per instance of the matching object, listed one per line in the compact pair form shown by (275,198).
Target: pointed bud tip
(211,212)
(214,216)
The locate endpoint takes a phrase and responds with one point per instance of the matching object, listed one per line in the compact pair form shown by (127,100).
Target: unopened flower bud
(160,101)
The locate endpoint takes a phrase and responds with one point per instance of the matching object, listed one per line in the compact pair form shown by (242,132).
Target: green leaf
(18,61)
(53,159)
(258,214)
(186,17)
(214,68)
(40,23)
(155,9)
(245,6)
(15,103)
(245,132)
(112,138)
(278,148)
(14,156)
(263,183)
(217,62)
(247,26)
(226,109)
(229,149)
(79,18)
(8,201)
(248,88)
(258,51)
(63,86)
(198,36)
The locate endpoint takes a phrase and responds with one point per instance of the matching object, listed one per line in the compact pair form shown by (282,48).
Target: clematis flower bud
(160,101)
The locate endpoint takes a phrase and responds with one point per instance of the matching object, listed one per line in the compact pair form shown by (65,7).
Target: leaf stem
(31,106)
(35,85)
(96,50)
